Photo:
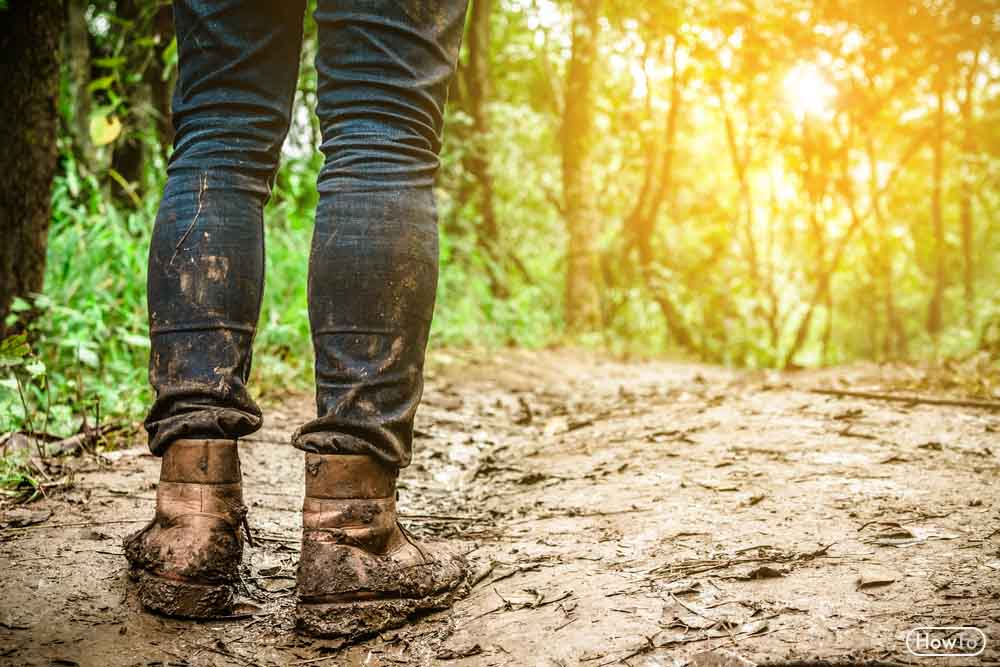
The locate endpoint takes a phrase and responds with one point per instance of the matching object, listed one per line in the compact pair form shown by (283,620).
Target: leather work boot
(185,562)
(359,571)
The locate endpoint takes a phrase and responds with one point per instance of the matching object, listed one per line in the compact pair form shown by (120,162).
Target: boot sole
(362,618)
(182,599)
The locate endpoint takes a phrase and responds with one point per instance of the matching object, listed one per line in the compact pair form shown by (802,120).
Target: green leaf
(101,83)
(14,347)
(169,58)
(20,305)
(110,63)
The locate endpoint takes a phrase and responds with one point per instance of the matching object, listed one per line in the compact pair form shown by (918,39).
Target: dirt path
(617,514)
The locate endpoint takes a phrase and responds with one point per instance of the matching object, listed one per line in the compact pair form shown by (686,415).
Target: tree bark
(934,311)
(478,90)
(129,153)
(148,99)
(740,158)
(895,340)
(579,192)
(641,223)
(162,87)
(78,59)
(30,36)
(966,220)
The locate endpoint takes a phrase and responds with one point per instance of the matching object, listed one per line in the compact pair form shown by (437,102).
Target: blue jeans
(384,68)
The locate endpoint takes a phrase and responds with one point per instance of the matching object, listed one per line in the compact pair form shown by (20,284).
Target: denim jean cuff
(329,442)
(213,423)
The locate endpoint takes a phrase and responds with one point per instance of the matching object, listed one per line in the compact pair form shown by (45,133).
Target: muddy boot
(359,571)
(185,562)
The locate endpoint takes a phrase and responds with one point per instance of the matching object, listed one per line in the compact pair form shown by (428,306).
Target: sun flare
(808,91)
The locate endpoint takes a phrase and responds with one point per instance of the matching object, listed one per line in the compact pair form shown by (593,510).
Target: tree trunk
(641,223)
(129,153)
(478,89)
(895,341)
(30,35)
(161,87)
(966,221)
(78,59)
(740,158)
(148,98)
(934,316)
(579,192)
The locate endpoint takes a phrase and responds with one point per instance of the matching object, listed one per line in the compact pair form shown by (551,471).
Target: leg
(384,68)
(238,61)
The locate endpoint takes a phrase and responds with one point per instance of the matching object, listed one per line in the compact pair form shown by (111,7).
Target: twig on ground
(439,517)
(914,400)
(78,524)
(690,609)
(689,568)
(578,515)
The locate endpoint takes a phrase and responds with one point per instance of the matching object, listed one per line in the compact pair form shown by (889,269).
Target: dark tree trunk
(162,87)
(478,77)
(30,36)
(78,59)
(148,99)
(478,92)
(129,153)
(579,191)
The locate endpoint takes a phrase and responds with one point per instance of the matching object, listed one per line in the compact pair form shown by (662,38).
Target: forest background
(769,184)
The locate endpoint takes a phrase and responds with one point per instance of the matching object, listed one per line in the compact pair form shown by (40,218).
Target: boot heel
(184,599)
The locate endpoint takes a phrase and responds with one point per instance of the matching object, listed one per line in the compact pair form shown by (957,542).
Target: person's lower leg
(237,62)
(384,68)
(237,66)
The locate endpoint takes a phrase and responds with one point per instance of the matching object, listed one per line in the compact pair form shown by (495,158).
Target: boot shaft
(350,500)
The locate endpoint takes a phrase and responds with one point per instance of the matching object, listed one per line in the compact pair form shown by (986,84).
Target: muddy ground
(638,514)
